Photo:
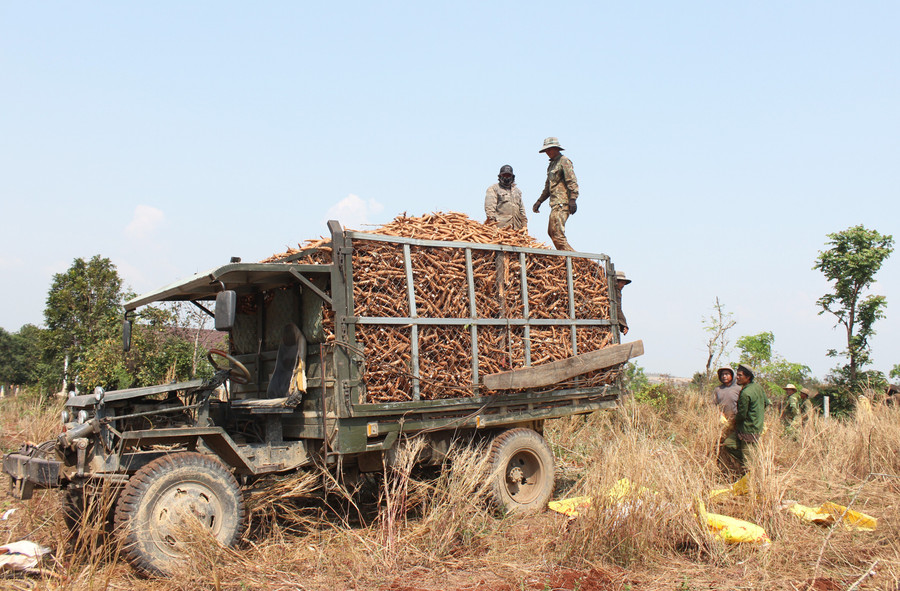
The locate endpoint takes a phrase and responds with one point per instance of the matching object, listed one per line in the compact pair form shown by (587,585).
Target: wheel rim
(524,473)
(179,501)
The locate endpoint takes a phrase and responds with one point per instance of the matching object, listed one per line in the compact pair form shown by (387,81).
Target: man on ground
(749,420)
(725,396)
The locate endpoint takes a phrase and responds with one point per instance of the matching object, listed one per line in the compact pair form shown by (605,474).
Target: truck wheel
(154,503)
(522,470)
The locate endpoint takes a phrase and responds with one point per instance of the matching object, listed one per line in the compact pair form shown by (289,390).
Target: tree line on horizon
(80,345)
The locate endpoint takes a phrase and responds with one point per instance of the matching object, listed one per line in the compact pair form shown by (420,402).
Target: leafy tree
(895,371)
(83,309)
(20,362)
(756,350)
(772,370)
(855,256)
(164,348)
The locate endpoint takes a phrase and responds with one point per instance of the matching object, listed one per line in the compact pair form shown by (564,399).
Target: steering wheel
(238,372)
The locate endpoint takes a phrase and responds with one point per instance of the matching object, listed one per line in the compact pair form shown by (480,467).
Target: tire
(150,509)
(522,471)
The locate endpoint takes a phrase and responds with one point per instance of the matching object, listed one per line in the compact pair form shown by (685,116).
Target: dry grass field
(412,530)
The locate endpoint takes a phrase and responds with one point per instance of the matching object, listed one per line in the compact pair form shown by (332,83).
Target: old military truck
(296,397)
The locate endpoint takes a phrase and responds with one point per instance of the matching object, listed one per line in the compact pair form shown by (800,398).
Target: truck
(291,393)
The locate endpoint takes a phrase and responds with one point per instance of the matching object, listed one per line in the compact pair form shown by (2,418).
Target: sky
(716,144)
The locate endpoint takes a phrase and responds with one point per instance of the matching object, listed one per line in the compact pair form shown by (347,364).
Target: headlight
(66,416)
(82,416)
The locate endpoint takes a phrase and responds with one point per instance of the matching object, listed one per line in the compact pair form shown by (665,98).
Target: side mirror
(226,306)
(126,335)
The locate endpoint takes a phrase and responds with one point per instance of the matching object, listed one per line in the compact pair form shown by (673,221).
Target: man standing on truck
(621,281)
(561,187)
(503,201)
(749,420)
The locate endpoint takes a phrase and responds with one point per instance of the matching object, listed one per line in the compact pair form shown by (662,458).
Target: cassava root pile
(441,291)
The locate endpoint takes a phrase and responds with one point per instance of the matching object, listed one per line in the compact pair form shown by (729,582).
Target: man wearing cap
(749,420)
(503,201)
(725,396)
(791,405)
(797,405)
(561,187)
(621,281)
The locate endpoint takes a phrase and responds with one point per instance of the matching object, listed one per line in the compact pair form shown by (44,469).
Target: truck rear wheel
(151,512)
(522,469)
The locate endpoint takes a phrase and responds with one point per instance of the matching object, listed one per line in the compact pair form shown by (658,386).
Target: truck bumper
(29,469)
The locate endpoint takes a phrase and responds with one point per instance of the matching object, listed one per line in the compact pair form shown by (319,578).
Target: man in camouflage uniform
(561,188)
(503,201)
(797,407)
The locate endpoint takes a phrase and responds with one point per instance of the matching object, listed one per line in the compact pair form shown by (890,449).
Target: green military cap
(551,142)
(746,369)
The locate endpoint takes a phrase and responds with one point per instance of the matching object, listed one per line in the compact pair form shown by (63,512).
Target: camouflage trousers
(556,228)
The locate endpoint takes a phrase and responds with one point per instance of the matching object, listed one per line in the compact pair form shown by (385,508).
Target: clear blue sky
(715,143)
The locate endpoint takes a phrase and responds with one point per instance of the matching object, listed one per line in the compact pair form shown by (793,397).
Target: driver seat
(288,380)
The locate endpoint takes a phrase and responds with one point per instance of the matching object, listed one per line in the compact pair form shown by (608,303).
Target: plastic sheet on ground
(570,507)
(727,529)
(828,513)
(21,556)
(741,487)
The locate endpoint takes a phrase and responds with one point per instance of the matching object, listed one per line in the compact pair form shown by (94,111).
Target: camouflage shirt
(561,184)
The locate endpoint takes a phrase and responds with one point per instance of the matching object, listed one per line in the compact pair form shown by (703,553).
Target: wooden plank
(559,371)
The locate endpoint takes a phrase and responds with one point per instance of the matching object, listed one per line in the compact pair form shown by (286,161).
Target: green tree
(854,257)
(757,352)
(21,359)
(895,371)
(83,308)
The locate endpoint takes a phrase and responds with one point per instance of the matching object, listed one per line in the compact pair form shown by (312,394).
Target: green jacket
(796,409)
(751,409)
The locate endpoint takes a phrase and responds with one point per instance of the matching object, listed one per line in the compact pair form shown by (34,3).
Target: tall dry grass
(434,529)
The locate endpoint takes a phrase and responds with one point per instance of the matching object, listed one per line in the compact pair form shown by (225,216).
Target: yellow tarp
(741,487)
(827,513)
(722,527)
(616,493)
(570,507)
(735,531)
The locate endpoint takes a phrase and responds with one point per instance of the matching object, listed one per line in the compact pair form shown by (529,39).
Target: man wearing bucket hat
(749,420)
(797,406)
(503,201)
(621,281)
(725,396)
(561,188)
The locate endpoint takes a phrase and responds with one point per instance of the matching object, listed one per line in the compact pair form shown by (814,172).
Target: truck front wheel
(522,470)
(151,512)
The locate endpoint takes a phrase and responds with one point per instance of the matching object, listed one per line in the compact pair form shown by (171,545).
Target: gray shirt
(726,397)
